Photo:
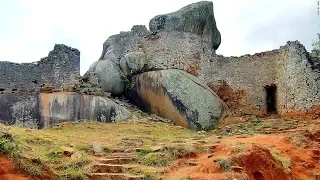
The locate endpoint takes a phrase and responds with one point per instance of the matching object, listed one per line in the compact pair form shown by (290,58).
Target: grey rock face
(118,45)
(108,75)
(97,149)
(134,62)
(173,50)
(38,110)
(195,18)
(179,96)
(184,40)
(163,50)
(20,109)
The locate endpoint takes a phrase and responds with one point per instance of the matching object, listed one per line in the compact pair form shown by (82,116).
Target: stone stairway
(116,165)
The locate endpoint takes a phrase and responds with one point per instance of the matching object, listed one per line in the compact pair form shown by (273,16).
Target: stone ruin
(44,93)
(61,69)
(171,70)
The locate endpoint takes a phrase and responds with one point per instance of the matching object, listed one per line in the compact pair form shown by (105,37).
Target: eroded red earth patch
(9,172)
(255,162)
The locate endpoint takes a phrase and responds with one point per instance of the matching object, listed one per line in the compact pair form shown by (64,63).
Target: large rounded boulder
(108,75)
(195,18)
(178,96)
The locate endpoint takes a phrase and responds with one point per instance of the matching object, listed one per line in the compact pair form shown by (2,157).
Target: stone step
(119,155)
(114,176)
(126,150)
(116,160)
(111,168)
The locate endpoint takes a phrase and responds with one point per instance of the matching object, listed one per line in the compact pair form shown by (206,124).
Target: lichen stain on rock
(48,101)
(235,99)
(230,96)
(25,110)
(193,69)
(85,100)
(151,91)
(69,106)
(44,104)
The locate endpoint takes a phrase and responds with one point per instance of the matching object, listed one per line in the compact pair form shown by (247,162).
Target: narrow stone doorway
(271,99)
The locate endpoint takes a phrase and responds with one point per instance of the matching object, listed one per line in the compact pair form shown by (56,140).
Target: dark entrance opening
(271,99)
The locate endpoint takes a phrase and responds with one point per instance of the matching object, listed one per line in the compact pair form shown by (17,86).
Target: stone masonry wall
(19,76)
(60,69)
(246,77)
(298,83)
(241,81)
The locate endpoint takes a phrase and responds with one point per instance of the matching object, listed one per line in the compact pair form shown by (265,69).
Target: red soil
(313,113)
(9,172)
(256,163)
(259,164)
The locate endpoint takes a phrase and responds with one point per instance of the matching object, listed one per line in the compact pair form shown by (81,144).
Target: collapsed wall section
(60,69)
(244,82)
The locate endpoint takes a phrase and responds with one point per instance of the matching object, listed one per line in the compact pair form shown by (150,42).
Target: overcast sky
(30,28)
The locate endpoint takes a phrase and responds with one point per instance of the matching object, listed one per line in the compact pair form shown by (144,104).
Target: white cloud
(29,29)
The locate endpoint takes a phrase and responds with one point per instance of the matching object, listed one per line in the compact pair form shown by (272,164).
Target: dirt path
(9,172)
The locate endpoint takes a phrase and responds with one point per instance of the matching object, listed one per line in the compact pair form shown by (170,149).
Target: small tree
(316,46)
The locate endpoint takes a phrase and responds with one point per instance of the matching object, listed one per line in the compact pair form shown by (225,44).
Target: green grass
(224,163)
(282,160)
(7,146)
(240,147)
(34,168)
(169,153)
(155,159)
(74,168)
(39,151)
(186,178)
(298,140)
(255,122)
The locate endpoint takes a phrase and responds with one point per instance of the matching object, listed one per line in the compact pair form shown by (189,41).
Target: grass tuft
(186,178)
(155,159)
(283,161)
(240,147)
(224,163)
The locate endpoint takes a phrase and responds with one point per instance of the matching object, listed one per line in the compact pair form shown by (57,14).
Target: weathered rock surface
(179,96)
(182,40)
(118,45)
(163,50)
(39,110)
(174,50)
(195,18)
(134,62)
(108,75)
